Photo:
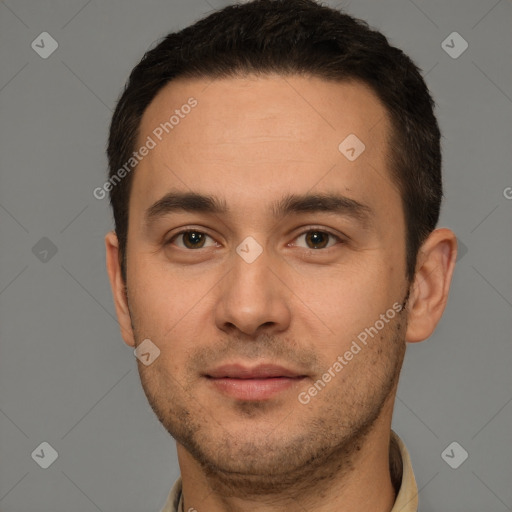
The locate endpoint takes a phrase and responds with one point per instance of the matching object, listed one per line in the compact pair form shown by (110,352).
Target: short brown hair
(293,37)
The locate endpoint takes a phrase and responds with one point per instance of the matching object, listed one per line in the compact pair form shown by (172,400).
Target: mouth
(257,383)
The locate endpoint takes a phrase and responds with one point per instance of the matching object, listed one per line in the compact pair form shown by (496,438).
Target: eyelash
(339,239)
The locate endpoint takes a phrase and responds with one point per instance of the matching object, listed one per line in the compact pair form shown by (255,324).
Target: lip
(261,371)
(257,383)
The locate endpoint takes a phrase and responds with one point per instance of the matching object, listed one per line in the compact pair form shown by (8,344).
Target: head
(270,99)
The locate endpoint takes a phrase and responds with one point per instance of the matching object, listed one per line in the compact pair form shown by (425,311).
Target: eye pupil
(193,239)
(317,238)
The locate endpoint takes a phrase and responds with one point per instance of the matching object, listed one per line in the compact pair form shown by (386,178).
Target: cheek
(160,291)
(346,301)
(169,308)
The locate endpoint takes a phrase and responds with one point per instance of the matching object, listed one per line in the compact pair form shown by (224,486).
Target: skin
(250,141)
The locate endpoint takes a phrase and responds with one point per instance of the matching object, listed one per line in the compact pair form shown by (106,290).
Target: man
(275,181)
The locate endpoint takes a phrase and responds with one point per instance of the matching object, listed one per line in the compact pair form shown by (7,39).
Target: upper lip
(261,371)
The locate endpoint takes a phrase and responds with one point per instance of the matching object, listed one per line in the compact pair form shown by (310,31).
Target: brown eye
(193,239)
(190,239)
(317,239)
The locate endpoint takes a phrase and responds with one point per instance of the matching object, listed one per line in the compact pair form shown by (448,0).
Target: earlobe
(429,292)
(118,287)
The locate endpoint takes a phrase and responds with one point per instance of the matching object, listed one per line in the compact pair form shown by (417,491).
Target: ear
(118,288)
(429,292)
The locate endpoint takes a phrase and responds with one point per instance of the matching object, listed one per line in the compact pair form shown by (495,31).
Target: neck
(355,478)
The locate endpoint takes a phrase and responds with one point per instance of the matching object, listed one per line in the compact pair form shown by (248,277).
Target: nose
(252,297)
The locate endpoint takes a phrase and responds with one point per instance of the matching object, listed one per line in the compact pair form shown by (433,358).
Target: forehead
(256,135)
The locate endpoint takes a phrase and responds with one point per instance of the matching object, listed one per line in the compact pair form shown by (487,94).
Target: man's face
(323,276)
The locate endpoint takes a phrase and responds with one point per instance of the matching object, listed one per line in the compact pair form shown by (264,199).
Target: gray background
(67,378)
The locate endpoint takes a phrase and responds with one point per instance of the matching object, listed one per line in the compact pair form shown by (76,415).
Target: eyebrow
(194,202)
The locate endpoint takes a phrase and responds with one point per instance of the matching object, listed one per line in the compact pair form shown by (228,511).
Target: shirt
(402,477)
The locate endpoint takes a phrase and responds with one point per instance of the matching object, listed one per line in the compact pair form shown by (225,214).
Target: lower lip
(254,389)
